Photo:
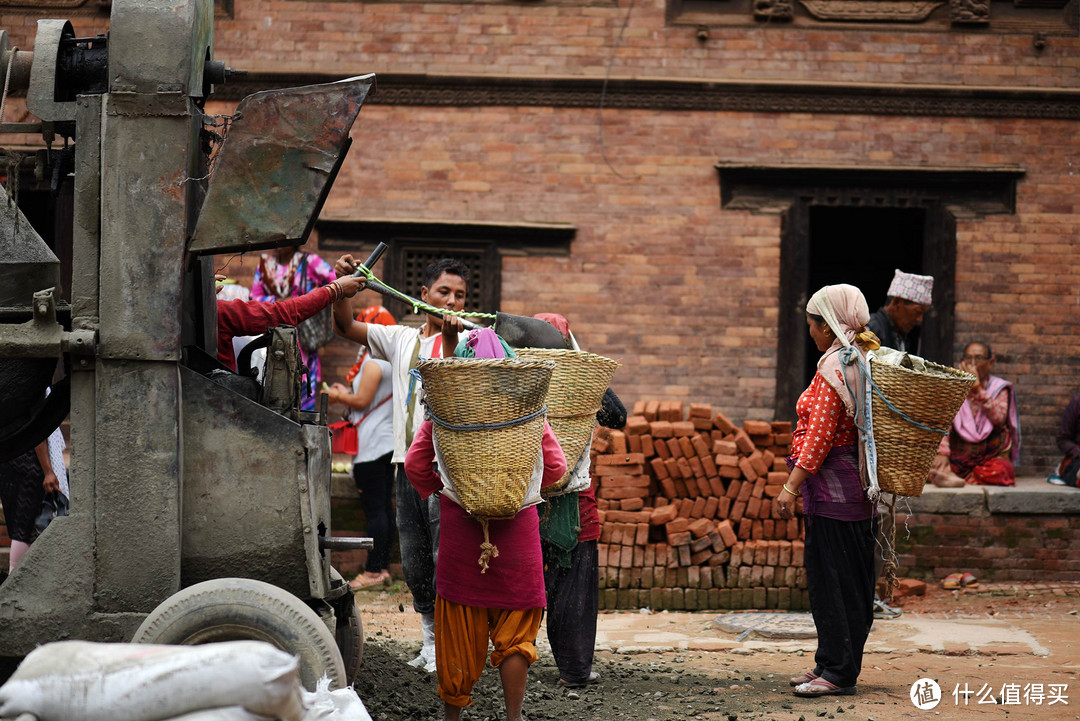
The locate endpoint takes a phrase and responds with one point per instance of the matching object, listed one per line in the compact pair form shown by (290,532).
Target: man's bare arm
(344,324)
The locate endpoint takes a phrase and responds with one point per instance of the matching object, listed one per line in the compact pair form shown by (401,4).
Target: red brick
(620,459)
(675,448)
(660,447)
(663,515)
(636,425)
(757,428)
(747,469)
(700,527)
(711,504)
(725,448)
(696,469)
(796,553)
(716,487)
(647,448)
(682,428)
(678,538)
(700,410)
(701,424)
(743,442)
(722,423)
(651,409)
(708,466)
(642,535)
(660,429)
(737,511)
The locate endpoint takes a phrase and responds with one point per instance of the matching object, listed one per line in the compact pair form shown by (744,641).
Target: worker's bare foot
(368,578)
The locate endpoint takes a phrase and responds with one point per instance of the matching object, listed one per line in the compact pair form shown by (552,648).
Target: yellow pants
(461,643)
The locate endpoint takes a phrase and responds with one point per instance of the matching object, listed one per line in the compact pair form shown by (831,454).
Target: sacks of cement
(142,682)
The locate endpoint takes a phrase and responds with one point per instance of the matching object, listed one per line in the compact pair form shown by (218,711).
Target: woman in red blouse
(827,471)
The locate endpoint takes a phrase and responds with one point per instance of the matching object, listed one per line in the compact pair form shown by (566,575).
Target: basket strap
(485,426)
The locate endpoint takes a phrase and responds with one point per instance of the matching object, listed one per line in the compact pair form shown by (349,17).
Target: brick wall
(1005,547)
(682,292)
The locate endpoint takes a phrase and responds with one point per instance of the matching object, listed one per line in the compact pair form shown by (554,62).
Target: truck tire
(236,609)
(349,631)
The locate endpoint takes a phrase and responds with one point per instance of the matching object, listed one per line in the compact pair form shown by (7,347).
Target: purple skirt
(836,490)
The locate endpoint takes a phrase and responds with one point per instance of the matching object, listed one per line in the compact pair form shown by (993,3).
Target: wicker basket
(577,386)
(931,397)
(489,468)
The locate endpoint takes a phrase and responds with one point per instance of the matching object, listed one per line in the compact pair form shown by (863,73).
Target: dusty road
(1016,649)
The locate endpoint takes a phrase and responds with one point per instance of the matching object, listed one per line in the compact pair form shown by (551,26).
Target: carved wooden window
(1037,17)
(408,260)
(414,245)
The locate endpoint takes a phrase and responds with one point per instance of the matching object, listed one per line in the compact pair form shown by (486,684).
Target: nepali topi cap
(916,288)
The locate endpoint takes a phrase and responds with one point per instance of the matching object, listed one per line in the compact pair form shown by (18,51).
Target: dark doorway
(862,247)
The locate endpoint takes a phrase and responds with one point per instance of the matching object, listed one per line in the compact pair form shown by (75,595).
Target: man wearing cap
(906,303)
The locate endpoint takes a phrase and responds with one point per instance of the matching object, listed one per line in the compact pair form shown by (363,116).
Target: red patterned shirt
(823,424)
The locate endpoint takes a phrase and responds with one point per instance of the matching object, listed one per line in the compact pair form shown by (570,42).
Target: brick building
(676,176)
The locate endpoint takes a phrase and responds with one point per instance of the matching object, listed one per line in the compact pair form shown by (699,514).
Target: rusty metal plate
(277,165)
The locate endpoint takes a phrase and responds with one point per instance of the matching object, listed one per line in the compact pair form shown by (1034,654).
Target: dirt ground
(715,677)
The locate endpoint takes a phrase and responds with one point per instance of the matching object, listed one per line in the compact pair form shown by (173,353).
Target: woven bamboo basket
(489,468)
(577,387)
(933,398)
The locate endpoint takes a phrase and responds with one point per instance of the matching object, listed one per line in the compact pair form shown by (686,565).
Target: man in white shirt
(445,286)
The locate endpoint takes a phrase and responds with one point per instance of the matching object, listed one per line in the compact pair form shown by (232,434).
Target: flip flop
(593,678)
(821,687)
(804,678)
(952,581)
(968,580)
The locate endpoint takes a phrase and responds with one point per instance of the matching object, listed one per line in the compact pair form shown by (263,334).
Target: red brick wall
(1000,547)
(659,277)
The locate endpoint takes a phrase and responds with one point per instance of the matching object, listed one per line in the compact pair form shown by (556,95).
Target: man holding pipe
(445,287)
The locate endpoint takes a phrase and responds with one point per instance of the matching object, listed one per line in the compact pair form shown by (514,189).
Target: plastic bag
(327,705)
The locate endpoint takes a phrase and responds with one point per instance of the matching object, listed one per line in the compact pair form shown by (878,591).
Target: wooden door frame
(944,194)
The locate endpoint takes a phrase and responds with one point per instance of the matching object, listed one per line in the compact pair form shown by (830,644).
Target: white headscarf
(844,367)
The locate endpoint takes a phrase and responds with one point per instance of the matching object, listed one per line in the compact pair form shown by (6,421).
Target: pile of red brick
(688,519)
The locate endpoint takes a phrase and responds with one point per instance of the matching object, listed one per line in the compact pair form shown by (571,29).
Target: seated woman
(983,445)
(1068,442)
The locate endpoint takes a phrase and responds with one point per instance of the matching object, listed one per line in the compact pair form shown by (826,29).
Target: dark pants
(573,600)
(375,482)
(21,494)
(840,576)
(418,533)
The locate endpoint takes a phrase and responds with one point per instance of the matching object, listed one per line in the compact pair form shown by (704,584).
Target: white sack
(142,682)
(232,713)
